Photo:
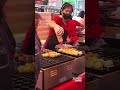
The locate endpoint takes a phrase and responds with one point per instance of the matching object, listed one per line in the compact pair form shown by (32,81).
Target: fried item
(71,51)
(27,68)
(51,54)
(108,63)
(93,60)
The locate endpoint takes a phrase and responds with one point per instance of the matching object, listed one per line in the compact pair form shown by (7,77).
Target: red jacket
(70,27)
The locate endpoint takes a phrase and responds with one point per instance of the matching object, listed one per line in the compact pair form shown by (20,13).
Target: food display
(23,58)
(27,68)
(93,60)
(70,51)
(51,54)
(102,61)
(24,63)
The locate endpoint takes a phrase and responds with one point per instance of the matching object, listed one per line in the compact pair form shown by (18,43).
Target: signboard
(70,1)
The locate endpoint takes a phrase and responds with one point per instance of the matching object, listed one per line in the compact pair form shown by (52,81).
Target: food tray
(115,57)
(83,52)
(74,55)
(23,63)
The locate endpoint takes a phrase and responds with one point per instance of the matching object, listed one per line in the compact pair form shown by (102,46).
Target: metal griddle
(107,54)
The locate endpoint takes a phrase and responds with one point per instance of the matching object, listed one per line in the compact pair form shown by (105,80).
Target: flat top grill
(49,62)
(110,54)
(107,54)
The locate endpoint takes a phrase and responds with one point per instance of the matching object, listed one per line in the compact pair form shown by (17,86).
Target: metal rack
(46,8)
(53,9)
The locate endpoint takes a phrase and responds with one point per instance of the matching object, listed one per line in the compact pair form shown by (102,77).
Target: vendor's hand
(60,39)
(59,30)
(83,31)
(68,40)
(76,44)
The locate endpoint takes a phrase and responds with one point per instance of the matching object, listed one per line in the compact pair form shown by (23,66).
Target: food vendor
(80,17)
(62,28)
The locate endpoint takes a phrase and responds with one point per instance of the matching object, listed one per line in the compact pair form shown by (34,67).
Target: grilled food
(51,54)
(27,68)
(71,51)
(93,60)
